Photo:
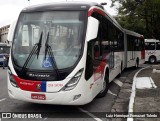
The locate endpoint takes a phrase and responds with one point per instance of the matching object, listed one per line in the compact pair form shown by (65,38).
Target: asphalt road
(87,112)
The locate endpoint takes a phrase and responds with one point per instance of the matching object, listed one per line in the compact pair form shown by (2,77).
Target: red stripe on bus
(90,12)
(99,72)
(143,54)
(28,85)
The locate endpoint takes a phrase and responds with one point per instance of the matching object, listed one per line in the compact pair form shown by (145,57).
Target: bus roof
(132,33)
(151,40)
(61,6)
(86,6)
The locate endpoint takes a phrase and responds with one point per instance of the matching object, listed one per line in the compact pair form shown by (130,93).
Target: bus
(134,49)
(64,53)
(4,51)
(152,47)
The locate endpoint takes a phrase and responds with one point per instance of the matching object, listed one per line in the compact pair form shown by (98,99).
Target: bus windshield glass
(45,39)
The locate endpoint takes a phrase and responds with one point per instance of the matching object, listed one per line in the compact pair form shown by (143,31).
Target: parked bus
(64,53)
(134,49)
(152,47)
(4,51)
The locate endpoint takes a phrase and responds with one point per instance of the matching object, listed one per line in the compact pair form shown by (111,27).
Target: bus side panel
(149,53)
(118,62)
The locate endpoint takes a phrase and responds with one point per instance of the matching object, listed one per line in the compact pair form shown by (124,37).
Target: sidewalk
(122,102)
(148,100)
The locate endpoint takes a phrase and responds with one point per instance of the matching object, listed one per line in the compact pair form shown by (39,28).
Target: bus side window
(96,51)
(151,46)
(97,46)
(89,60)
(146,46)
(158,46)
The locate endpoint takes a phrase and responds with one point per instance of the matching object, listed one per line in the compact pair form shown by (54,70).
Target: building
(4,33)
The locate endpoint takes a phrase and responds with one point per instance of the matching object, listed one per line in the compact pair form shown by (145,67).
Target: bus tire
(105,87)
(137,63)
(152,59)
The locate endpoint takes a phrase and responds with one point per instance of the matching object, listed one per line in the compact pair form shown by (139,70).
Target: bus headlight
(11,78)
(74,81)
(13,81)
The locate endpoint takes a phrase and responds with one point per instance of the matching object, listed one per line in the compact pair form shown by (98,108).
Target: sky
(10,9)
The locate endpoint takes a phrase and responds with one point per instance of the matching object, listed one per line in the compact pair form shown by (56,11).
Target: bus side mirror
(11,31)
(92,28)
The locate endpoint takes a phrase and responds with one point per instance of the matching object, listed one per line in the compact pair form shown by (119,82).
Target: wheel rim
(152,60)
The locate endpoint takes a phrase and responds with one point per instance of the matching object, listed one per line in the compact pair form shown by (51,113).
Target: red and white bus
(152,47)
(134,49)
(64,53)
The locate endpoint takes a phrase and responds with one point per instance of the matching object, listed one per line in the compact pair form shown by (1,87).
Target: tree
(142,16)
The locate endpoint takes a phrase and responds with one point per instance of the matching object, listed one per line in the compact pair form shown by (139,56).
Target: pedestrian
(4,61)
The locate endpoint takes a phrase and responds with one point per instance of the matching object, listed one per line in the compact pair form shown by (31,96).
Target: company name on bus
(39,75)
(26,83)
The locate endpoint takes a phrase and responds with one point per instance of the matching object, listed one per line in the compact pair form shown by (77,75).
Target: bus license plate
(38,96)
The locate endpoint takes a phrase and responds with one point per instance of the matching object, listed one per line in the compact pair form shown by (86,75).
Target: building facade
(4,33)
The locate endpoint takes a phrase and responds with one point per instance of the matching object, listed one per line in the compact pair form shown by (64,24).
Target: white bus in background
(65,53)
(134,49)
(152,47)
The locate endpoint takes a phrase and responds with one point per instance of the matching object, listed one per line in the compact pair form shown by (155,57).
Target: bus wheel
(137,63)
(152,59)
(105,87)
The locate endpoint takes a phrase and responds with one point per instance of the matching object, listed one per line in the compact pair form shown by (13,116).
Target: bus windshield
(61,31)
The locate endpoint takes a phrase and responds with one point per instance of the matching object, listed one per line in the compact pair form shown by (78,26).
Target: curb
(133,94)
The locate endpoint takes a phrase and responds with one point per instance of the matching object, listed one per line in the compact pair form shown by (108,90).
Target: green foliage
(142,16)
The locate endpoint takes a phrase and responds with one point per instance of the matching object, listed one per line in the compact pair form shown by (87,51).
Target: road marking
(109,92)
(133,94)
(156,71)
(3,99)
(152,82)
(149,83)
(45,119)
(119,83)
(90,114)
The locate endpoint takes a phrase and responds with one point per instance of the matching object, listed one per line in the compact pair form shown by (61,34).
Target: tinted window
(158,46)
(131,42)
(150,46)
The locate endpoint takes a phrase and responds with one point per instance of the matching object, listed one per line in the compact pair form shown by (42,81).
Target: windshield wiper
(48,50)
(35,50)
(39,44)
